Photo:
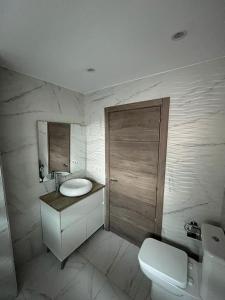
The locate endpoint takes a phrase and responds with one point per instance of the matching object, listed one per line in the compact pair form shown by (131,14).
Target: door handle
(113,179)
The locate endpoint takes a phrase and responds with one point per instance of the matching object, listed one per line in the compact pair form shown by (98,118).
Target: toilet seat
(165,262)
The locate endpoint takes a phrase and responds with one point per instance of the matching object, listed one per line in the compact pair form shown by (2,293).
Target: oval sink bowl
(75,187)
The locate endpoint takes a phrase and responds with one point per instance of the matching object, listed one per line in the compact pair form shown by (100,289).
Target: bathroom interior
(112,142)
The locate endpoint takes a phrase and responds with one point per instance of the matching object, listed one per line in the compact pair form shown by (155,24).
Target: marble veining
(117,259)
(8,285)
(23,101)
(195,168)
(23,94)
(111,274)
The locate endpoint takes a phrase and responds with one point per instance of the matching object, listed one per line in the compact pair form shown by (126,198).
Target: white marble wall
(77,148)
(8,285)
(23,101)
(195,169)
(195,173)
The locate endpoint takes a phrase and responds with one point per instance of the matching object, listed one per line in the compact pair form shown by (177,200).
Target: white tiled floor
(103,268)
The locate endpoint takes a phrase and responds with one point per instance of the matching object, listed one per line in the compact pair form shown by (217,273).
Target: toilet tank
(213,264)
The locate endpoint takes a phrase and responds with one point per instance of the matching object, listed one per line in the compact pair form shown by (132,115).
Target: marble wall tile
(8,285)
(23,101)
(195,168)
(77,148)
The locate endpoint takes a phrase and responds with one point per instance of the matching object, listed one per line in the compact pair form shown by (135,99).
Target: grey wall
(223,212)
(195,168)
(23,101)
(8,285)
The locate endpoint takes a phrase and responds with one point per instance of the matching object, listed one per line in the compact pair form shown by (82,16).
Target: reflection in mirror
(8,285)
(61,148)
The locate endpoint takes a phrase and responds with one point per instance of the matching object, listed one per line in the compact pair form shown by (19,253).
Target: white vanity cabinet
(66,230)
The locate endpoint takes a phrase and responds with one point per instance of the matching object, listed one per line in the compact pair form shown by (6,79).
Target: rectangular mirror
(61,148)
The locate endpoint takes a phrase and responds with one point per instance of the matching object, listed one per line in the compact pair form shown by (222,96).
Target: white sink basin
(75,187)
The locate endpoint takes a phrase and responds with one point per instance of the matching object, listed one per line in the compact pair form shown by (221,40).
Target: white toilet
(176,276)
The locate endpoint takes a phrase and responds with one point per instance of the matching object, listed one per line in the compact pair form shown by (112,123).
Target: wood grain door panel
(134,185)
(135,125)
(130,231)
(135,167)
(132,218)
(136,157)
(144,210)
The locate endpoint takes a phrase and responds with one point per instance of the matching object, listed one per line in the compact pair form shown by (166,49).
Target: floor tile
(52,280)
(103,248)
(118,260)
(104,268)
(90,284)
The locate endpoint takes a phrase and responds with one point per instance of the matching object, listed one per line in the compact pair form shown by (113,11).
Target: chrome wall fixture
(193,230)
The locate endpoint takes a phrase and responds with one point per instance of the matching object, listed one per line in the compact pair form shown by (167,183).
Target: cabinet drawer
(73,237)
(95,220)
(81,209)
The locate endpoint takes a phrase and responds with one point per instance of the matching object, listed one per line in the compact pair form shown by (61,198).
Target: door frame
(164,104)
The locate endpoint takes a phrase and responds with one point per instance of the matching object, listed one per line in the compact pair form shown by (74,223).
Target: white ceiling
(56,40)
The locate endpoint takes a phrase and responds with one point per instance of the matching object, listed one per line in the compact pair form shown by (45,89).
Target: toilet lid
(164,261)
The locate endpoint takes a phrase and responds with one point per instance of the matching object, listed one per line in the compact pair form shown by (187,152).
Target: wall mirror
(61,148)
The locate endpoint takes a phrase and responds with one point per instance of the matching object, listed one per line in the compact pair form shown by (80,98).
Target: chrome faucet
(56,175)
(57,181)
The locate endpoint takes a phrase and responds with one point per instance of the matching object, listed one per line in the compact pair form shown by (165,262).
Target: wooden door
(136,137)
(59,146)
